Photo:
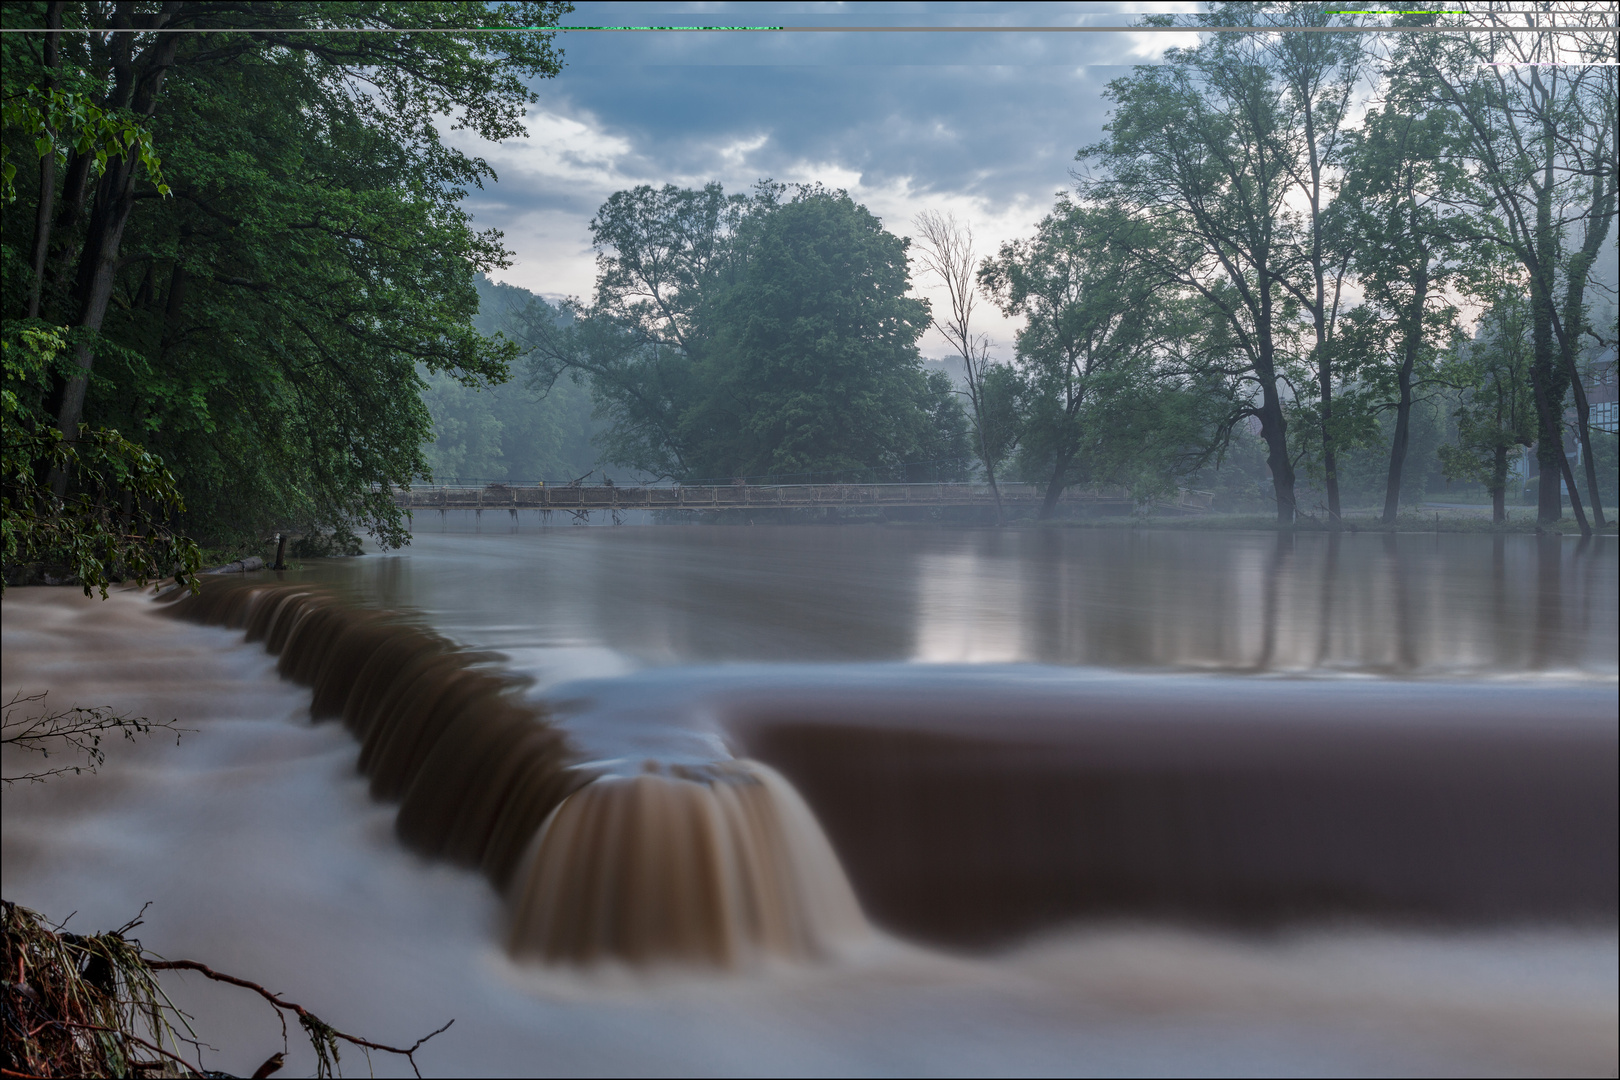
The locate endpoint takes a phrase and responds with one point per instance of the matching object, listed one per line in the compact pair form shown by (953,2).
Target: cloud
(979,124)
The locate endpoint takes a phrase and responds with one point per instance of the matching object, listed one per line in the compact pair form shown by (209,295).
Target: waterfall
(720,864)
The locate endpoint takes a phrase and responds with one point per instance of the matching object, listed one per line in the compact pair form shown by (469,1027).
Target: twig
(131,1036)
(77,731)
(305,1017)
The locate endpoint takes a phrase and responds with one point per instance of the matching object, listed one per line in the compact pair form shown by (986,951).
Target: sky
(981,125)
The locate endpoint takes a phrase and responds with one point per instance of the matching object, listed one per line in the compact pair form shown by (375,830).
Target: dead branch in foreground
(77,1005)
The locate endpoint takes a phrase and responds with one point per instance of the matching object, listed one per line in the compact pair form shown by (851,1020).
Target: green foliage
(271,325)
(1104,389)
(115,522)
(1365,355)
(815,364)
(1331,261)
(1398,218)
(759,336)
(1497,412)
(1364,465)
(64,122)
(1207,147)
(1237,477)
(1535,114)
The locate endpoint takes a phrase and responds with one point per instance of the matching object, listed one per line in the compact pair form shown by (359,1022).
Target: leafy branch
(61,121)
(115,523)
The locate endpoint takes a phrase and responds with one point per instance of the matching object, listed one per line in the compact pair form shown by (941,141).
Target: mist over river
(1110,801)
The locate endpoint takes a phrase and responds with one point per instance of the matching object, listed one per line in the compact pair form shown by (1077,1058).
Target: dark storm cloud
(994,116)
(985,125)
(990,132)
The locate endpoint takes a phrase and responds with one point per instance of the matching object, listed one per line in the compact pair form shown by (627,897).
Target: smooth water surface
(571,602)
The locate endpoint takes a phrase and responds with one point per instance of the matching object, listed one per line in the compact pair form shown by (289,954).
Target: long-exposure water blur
(1050,801)
(753,538)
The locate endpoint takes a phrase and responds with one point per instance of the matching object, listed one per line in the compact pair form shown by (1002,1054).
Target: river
(955,707)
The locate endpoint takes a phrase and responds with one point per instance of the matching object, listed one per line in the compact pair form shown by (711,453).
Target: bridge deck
(720,497)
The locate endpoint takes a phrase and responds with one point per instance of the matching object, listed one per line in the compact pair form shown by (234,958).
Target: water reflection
(1393,604)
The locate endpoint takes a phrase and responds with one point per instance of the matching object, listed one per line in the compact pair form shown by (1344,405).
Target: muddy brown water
(993,735)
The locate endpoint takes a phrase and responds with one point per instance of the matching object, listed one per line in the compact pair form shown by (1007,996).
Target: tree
(816,367)
(1397,223)
(1538,113)
(1210,147)
(746,337)
(945,250)
(1095,328)
(661,257)
(1318,73)
(261,330)
(1498,412)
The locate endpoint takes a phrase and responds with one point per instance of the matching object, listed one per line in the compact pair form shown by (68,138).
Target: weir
(641,818)
(718,865)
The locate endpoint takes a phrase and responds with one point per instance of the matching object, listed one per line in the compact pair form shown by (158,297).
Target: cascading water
(720,863)
(723,862)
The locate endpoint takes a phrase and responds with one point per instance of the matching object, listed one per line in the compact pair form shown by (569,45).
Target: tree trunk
(1574,497)
(98,265)
(1273,426)
(1054,486)
(1499,486)
(1549,439)
(173,305)
(1580,268)
(1274,430)
(75,187)
(1547,377)
(1583,413)
(1403,407)
(1397,448)
(98,259)
(976,399)
(47,166)
(990,474)
(1330,458)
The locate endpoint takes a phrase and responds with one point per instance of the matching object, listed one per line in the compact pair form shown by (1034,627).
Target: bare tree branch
(76,732)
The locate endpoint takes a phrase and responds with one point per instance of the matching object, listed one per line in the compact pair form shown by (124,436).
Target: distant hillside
(508,432)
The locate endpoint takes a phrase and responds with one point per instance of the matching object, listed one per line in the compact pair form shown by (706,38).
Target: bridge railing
(719,496)
(712,495)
